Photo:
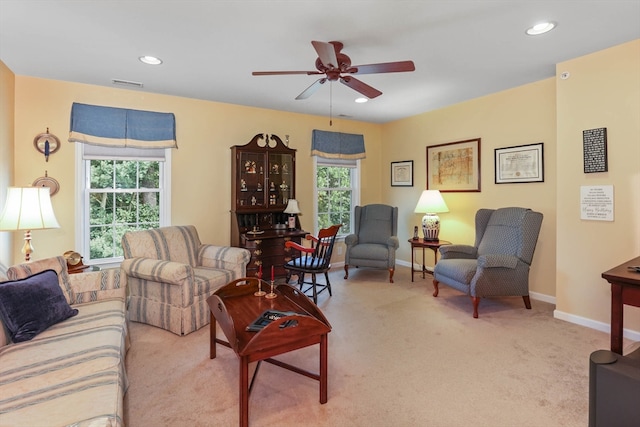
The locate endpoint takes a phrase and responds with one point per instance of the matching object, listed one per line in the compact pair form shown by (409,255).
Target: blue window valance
(337,145)
(119,127)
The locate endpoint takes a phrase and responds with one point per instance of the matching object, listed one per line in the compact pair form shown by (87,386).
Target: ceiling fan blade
(360,86)
(386,67)
(326,53)
(311,89)
(281,73)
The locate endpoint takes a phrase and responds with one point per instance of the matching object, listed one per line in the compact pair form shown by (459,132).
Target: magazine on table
(269,316)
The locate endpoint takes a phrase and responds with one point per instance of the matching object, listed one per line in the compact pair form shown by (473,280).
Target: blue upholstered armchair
(375,240)
(498,264)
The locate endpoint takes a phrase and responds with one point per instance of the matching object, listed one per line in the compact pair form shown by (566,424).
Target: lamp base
(431,226)
(291,222)
(27,249)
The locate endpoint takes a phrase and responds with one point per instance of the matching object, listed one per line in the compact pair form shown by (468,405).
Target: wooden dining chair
(313,260)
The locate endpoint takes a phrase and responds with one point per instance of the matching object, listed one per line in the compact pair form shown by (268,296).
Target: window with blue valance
(119,127)
(337,145)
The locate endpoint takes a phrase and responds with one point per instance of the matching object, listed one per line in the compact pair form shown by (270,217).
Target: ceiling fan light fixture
(150,60)
(541,28)
(361,100)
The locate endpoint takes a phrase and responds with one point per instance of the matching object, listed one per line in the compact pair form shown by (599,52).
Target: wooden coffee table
(235,306)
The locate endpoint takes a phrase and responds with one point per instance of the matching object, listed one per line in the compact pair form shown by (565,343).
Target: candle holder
(259,292)
(271,295)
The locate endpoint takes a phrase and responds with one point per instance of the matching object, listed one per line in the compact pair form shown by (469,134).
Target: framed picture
(523,163)
(594,143)
(454,166)
(402,174)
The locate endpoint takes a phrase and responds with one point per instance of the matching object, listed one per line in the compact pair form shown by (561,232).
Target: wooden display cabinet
(262,182)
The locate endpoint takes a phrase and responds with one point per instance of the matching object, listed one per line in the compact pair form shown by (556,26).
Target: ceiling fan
(335,65)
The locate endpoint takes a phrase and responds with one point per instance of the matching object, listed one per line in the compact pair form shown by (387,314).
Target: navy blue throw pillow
(29,306)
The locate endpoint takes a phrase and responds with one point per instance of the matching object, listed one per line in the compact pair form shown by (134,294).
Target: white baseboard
(593,324)
(543,297)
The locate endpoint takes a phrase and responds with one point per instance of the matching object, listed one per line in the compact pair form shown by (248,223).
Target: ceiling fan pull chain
(330,103)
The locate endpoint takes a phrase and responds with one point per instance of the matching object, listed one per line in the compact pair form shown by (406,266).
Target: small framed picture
(523,163)
(402,174)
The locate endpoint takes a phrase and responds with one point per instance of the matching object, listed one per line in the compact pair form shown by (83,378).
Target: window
(336,192)
(122,190)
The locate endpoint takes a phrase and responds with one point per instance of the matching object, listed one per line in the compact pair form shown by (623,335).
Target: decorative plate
(47,181)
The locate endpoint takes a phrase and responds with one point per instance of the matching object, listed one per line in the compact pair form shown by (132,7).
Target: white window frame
(82,203)
(355,188)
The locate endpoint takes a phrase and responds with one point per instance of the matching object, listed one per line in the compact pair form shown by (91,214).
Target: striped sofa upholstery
(170,275)
(73,373)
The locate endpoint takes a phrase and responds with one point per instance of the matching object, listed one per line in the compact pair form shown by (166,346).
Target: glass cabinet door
(251,180)
(280,178)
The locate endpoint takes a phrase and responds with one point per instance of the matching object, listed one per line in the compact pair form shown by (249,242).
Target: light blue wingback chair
(498,264)
(375,240)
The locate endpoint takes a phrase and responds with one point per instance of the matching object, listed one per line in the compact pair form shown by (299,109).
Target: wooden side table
(434,245)
(625,289)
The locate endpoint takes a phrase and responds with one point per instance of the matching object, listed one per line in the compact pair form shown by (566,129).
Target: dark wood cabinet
(263,180)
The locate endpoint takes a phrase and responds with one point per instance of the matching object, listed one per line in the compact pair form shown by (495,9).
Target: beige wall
(201,166)
(523,115)
(603,90)
(7,101)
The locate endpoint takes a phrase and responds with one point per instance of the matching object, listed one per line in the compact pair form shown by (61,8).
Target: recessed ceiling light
(151,60)
(361,100)
(541,28)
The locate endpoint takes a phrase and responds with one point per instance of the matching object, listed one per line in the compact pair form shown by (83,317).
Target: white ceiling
(462,49)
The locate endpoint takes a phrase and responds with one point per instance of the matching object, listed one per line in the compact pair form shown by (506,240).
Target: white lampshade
(430,204)
(431,201)
(28,209)
(292,207)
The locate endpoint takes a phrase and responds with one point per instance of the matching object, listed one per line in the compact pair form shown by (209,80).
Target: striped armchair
(170,275)
(499,262)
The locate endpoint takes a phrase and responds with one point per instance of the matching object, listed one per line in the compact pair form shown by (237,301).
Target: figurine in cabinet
(250,166)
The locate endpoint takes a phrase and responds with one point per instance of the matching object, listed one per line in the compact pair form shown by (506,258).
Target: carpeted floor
(397,357)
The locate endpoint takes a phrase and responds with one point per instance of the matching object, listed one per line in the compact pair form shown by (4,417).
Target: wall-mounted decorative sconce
(46,143)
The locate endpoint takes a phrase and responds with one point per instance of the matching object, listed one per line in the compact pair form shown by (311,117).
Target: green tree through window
(334,190)
(124,195)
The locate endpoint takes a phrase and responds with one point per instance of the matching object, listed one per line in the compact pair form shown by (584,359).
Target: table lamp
(430,204)
(292,209)
(28,209)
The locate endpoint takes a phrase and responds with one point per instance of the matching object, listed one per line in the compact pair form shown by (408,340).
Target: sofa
(170,275)
(72,372)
